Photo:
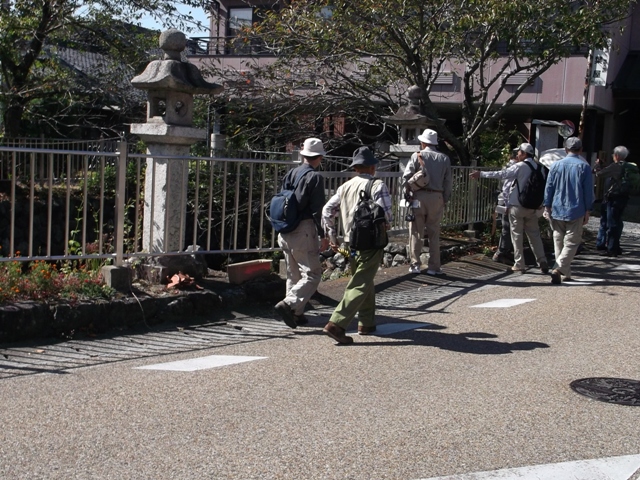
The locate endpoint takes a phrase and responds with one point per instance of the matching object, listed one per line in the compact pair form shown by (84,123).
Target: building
(613,95)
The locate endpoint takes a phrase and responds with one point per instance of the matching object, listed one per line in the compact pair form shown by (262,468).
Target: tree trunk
(12,119)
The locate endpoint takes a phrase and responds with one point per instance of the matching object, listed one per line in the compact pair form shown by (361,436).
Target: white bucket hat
(312,148)
(430,137)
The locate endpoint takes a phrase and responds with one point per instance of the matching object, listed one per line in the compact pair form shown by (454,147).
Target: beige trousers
(567,237)
(428,216)
(304,272)
(524,221)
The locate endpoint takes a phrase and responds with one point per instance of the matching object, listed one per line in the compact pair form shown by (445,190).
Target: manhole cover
(611,390)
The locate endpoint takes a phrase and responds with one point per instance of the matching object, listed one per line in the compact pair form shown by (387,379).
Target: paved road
(454,384)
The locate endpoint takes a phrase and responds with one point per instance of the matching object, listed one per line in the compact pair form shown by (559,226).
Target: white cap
(527,148)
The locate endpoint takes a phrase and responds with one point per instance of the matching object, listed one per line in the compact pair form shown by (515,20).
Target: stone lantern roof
(171,73)
(410,113)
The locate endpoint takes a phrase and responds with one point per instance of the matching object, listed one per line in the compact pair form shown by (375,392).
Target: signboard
(600,67)
(566,129)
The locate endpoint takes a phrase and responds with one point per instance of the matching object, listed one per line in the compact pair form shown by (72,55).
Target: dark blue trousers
(611,224)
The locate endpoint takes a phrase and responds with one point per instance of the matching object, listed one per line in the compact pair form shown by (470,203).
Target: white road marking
(389,328)
(612,468)
(504,303)
(582,281)
(200,363)
(627,266)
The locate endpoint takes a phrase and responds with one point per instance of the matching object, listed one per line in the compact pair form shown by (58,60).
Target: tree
(361,56)
(36,81)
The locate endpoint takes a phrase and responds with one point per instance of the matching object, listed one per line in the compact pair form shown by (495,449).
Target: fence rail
(65,204)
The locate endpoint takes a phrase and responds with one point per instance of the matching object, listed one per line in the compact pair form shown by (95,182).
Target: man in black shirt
(301,247)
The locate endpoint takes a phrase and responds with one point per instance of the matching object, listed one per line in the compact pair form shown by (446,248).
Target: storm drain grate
(611,390)
(416,298)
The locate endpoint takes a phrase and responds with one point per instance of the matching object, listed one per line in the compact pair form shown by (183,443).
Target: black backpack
(282,211)
(531,195)
(369,228)
(629,179)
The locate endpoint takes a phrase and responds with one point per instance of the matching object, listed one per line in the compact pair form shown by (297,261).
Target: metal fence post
(472,213)
(121,182)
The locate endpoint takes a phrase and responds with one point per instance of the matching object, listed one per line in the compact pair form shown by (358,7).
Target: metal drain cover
(611,390)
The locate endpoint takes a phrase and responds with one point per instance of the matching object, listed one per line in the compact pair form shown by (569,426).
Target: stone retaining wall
(31,320)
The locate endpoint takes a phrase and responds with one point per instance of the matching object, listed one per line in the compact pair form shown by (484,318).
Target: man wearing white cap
(568,198)
(428,202)
(301,246)
(521,220)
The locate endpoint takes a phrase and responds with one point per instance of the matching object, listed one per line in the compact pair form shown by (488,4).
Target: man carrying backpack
(359,295)
(616,196)
(524,200)
(301,245)
(568,198)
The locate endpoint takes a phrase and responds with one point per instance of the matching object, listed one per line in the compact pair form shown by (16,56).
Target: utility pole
(585,95)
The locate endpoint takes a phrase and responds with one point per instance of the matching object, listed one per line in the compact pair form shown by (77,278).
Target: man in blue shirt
(568,198)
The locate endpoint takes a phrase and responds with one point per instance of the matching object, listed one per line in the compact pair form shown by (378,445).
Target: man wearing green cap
(359,295)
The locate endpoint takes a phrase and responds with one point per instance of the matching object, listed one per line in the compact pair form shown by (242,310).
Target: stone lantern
(168,132)
(411,123)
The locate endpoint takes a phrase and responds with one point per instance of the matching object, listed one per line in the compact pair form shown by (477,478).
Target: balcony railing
(213,46)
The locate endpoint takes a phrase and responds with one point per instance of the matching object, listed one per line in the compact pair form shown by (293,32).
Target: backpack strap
(296,180)
(533,170)
(366,193)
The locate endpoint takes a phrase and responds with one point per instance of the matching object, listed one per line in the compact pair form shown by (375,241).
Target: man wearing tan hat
(301,246)
(428,202)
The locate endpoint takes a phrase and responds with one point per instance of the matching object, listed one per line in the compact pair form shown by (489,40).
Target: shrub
(46,282)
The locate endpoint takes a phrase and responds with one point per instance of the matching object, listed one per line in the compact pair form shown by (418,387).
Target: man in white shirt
(521,220)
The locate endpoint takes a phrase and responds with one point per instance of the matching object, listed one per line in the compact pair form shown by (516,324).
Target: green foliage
(42,91)
(495,145)
(43,281)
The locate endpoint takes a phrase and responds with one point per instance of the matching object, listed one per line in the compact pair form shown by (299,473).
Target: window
(239,18)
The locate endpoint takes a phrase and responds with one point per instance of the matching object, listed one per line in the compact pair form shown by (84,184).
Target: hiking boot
(518,270)
(544,267)
(301,319)
(362,330)
(556,277)
(337,333)
(286,313)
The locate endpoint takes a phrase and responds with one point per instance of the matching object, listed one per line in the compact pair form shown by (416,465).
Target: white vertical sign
(600,66)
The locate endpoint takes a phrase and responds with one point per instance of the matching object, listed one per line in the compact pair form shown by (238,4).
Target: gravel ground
(474,389)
